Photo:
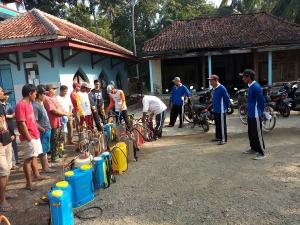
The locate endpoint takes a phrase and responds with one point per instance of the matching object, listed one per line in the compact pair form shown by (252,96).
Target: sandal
(30,188)
(39,178)
(49,171)
(11,196)
(14,168)
(6,208)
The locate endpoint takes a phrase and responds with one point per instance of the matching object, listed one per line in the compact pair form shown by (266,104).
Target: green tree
(79,15)
(288,9)
(56,8)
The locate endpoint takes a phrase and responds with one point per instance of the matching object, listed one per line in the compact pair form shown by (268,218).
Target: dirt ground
(186,179)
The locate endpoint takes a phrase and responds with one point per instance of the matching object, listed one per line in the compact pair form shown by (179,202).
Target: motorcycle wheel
(243,114)
(285,111)
(205,126)
(230,110)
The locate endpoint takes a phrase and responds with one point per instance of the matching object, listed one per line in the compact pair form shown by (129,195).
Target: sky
(216,2)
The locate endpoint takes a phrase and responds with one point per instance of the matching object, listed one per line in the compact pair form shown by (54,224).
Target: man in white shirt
(85,111)
(154,106)
(67,107)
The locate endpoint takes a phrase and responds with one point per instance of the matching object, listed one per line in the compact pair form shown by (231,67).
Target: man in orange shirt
(74,99)
(117,100)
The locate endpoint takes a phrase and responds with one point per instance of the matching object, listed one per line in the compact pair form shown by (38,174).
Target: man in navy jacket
(255,107)
(221,102)
(178,93)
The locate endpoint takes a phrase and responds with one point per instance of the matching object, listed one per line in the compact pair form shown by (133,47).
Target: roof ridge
(47,23)
(82,28)
(219,16)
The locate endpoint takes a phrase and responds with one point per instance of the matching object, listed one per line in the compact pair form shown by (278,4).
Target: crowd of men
(45,121)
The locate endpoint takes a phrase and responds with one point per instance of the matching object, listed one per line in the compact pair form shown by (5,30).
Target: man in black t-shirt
(98,95)
(5,157)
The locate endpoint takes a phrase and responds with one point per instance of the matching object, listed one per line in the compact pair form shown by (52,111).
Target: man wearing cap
(85,111)
(178,94)
(5,157)
(117,100)
(221,102)
(75,100)
(55,112)
(10,118)
(255,107)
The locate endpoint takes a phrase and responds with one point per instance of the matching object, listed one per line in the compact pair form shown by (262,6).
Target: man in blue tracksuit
(255,107)
(221,102)
(178,93)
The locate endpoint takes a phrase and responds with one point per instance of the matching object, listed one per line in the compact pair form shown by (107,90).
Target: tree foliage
(112,18)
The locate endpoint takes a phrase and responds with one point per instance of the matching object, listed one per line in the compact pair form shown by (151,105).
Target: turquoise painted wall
(64,75)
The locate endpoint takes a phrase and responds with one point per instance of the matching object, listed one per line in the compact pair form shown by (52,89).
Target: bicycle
(268,117)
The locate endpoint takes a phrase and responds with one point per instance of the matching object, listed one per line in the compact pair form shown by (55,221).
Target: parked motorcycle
(277,98)
(293,95)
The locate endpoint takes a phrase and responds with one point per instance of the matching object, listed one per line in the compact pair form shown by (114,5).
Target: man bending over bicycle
(154,106)
(117,100)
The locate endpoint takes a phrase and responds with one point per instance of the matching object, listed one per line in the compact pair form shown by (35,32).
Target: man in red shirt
(29,133)
(75,101)
(55,112)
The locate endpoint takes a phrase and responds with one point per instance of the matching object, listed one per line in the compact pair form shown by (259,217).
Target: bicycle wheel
(142,131)
(269,124)
(243,114)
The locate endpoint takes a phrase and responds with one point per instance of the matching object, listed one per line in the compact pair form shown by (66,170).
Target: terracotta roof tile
(235,31)
(36,26)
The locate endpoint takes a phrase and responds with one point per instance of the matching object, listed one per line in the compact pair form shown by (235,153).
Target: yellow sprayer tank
(119,157)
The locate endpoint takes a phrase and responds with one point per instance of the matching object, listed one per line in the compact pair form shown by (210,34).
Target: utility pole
(133,3)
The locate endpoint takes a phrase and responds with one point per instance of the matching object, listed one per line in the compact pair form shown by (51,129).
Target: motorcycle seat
(199,107)
(275,95)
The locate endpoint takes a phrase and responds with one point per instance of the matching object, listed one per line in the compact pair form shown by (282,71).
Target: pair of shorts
(32,148)
(5,159)
(45,140)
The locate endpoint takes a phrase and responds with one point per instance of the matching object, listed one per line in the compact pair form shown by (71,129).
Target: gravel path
(186,179)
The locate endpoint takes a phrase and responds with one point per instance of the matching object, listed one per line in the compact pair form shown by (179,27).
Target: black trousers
(124,116)
(160,119)
(255,135)
(175,111)
(97,120)
(221,126)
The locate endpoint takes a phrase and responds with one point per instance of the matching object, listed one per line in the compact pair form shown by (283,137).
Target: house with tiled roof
(196,48)
(39,48)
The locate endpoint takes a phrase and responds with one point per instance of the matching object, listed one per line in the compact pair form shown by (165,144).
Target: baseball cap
(176,79)
(76,85)
(86,85)
(109,88)
(51,86)
(213,77)
(248,72)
